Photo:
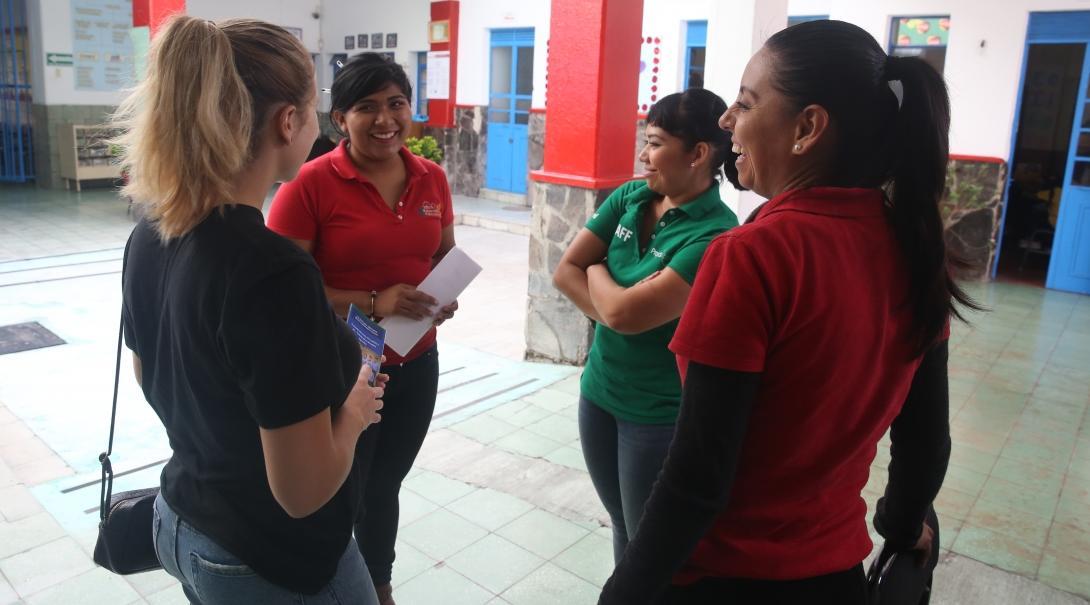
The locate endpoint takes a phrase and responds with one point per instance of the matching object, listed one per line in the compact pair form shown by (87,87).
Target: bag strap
(106,493)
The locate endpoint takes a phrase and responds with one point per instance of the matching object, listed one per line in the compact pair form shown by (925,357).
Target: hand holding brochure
(445,282)
(372,338)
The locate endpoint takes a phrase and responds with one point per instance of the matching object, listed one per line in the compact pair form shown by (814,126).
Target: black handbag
(894,577)
(125,544)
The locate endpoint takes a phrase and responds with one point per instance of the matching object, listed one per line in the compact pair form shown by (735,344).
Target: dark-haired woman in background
(630,271)
(808,333)
(377,219)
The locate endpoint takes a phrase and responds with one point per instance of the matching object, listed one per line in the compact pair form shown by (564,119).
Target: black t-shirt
(234,332)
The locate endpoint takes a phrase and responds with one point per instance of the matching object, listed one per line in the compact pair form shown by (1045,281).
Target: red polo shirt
(814,296)
(359,242)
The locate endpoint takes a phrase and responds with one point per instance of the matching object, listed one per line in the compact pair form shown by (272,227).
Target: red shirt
(359,242)
(814,296)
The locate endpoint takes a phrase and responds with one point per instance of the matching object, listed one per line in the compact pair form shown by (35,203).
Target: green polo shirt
(635,377)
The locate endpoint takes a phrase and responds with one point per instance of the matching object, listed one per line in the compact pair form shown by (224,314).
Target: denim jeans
(623,459)
(210,575)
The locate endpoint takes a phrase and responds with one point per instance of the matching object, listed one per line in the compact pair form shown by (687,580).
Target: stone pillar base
(556,330)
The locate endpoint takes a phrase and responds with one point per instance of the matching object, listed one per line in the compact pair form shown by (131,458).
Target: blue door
(16,143)
(510,89)
(1069,268)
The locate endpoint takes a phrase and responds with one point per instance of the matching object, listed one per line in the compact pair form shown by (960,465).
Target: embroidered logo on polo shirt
(622,233)
(431,209)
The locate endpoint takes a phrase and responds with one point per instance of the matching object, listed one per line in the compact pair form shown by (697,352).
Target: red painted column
(151,13)
(441,111)
(594,59)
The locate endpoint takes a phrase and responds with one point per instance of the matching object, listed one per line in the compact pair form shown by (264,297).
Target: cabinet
(86,154)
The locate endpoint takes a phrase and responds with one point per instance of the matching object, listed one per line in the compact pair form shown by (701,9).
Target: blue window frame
(512,83)
(16,142)
(696,43)
(421,87)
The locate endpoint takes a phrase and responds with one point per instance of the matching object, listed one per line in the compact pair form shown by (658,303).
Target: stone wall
(464,149)
(556,330)
(535,155)
(972,206)
(47,120)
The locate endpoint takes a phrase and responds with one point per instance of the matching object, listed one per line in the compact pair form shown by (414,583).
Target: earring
(798,147)
(692,164)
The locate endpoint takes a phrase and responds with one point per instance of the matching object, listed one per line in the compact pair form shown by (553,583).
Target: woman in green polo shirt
(630,270)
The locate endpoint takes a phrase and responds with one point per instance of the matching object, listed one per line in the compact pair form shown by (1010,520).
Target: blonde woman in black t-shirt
(258,383)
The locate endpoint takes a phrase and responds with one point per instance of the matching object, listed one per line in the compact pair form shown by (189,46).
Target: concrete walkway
(501,476)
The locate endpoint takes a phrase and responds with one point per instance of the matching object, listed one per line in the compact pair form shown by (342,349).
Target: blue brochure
(372,339)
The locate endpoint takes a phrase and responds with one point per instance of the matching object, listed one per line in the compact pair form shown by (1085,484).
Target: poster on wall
(102,44)
(439,74)
(391,40)
(650,64)
(376,40)
(922,31)
(361,40)
(349,42)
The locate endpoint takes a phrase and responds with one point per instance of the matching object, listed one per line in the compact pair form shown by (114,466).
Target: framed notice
(439,31)
(102,45)
(361,40)
(391,40)
(439,74)
(376,40)
(349,42)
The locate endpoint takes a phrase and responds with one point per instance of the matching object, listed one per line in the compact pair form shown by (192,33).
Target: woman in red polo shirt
(377,219)
(809,331)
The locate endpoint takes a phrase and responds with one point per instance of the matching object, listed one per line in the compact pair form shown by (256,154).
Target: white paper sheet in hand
(445,282)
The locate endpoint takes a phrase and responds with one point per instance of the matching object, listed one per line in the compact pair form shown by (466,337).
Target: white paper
(445,282)
(439,74)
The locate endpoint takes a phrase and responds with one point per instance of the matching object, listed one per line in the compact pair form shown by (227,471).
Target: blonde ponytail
(192,124)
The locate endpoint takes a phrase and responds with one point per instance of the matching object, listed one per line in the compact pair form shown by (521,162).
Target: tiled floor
(1017,494)
(499,508)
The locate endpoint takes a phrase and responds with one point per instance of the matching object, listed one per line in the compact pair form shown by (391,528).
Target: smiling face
(763,128)
(666,162)
(377,124)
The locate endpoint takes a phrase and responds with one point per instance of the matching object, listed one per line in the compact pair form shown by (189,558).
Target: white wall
(49,25)
(667,20)
(735,31)
(476,21)
(808,8)
(286,13)
(983,80)
(406,18)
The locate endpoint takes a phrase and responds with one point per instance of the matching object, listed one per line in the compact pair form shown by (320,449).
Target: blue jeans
(624,459)
(210,575)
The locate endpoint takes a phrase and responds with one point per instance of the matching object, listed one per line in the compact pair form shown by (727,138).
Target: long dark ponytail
(891,116)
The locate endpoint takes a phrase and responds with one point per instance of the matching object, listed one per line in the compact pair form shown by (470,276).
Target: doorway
(511,86)
(1046,228)
(1049,92)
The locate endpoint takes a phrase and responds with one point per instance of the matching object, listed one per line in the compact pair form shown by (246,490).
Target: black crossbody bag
(125,545)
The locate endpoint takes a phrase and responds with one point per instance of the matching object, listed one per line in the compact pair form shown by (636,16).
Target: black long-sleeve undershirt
(919,452)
